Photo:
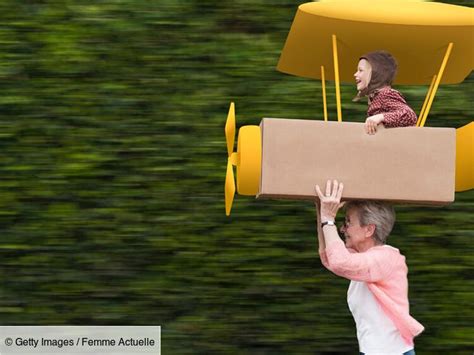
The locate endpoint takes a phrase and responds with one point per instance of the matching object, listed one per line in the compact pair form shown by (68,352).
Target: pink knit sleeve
(324,259)
(374,265)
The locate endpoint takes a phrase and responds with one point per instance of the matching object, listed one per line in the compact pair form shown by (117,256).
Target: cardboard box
(409,164)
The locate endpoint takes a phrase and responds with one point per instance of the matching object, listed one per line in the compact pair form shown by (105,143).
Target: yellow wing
(416,33)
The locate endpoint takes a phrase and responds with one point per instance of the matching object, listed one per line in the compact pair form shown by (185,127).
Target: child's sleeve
(397,112)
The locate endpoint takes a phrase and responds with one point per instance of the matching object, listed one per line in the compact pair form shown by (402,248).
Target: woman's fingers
(333,191)
(318,191)
(339,191)
(328,204)
(335,185)
(328,188)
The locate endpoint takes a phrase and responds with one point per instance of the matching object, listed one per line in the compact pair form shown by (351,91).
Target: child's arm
(401,116)
(396,113)
(372,122)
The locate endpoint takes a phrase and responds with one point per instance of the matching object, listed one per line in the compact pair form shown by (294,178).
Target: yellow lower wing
(465,157)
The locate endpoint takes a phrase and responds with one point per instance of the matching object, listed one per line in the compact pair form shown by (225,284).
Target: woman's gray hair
(380,214)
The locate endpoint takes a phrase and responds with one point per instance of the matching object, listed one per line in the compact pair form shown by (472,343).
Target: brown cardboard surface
(409,164)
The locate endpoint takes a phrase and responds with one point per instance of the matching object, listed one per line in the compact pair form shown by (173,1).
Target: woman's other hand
(331,200)
(372,122)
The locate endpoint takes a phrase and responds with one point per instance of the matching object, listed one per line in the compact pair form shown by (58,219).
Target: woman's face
(362,75)
(355,234)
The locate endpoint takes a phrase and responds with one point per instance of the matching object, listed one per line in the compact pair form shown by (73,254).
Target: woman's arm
(321,243)
(374,265)
(323,214)
(369,266)
(330,204)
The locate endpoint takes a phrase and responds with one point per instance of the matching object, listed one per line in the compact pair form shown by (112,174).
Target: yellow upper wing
(416,33)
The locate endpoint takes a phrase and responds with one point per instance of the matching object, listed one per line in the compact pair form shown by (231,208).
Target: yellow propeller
(247,159)
(465,157)
(229,178)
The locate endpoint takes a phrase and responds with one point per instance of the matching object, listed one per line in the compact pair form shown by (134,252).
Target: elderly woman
(378,291)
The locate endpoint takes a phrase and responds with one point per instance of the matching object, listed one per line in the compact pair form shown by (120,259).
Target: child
(374,77)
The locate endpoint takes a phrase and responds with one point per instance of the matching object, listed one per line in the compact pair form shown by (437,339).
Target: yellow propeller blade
(230,129)
(465,157)
(229,188)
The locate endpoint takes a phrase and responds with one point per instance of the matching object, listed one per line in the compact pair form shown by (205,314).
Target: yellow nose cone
(249,166)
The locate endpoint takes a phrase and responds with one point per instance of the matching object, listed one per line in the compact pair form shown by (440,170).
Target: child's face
(362,75)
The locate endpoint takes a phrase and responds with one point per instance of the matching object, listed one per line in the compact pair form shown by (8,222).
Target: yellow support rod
(426,100)
(336,78)
(437,81)
(323,84)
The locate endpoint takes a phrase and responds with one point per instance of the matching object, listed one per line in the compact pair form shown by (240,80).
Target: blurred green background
(112,166)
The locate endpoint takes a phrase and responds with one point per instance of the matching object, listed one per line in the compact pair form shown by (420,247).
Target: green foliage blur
(112,166)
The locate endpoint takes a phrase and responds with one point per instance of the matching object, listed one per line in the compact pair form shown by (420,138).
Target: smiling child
(374,76)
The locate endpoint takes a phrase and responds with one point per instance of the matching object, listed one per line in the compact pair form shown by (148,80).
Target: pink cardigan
(384,271)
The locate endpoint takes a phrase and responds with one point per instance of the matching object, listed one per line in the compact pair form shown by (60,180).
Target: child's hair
(384,68)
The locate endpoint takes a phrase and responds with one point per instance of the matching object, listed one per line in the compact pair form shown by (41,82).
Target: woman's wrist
(328,223)
(326,218)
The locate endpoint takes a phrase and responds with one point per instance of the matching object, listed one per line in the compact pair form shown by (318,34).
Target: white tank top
(376,332)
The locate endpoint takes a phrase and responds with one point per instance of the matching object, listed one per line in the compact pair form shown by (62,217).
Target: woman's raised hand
(331,200)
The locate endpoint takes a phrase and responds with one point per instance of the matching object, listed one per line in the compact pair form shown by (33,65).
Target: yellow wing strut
(436,84)
(336,77)
(426,101)
(323,84)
